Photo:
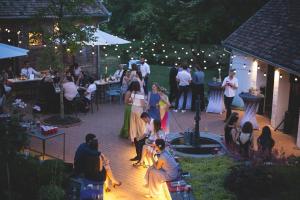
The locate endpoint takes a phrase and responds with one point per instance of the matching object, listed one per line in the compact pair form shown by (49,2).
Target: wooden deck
(106,124)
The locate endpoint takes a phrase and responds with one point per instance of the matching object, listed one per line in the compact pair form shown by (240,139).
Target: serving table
(215,99)
(251,104)
(35,133)
(24,88)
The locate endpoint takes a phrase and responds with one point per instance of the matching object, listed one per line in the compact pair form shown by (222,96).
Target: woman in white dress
(137,100)
(165,169)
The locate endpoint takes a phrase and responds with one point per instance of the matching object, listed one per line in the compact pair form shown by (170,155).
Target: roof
(271,35)
(22,9)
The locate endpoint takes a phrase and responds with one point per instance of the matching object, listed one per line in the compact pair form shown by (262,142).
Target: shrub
(51,192)
(52,172)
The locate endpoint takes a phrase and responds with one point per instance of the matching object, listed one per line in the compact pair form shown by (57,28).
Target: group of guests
(91,164)
(242,139)
(78,86)
(182,80)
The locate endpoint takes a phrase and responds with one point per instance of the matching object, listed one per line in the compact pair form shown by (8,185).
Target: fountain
(196,144)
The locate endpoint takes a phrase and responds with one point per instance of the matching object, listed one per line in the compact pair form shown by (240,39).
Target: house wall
(281,95)
(249,72)
(298,135)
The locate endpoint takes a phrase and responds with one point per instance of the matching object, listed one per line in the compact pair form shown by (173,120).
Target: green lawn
(207,177)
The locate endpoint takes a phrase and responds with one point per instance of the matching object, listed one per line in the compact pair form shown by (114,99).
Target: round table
(215,99)
(251,103)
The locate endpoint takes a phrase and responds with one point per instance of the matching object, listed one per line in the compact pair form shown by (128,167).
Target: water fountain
(195,143)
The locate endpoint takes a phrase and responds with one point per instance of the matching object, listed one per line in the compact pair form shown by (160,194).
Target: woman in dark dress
(153,102)
(265,143)
(230,124)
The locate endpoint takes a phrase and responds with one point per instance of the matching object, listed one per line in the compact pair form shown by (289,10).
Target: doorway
(269,91)
(292,116)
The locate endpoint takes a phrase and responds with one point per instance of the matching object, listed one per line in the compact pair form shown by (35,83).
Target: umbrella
(103,38)
(8,51)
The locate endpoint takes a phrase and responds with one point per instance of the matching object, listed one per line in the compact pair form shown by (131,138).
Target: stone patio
(106,124)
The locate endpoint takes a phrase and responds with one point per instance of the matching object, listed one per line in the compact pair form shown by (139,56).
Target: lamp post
(196,134)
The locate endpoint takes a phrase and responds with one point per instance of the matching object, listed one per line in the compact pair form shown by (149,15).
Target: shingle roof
(272,35)
(22,9)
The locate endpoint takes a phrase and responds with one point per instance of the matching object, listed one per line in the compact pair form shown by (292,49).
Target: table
(25,88)
(38,134)
(102,87)
(251,103)
(215,99)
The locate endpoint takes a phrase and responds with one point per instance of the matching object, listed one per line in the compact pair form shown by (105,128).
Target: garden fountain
(195,143)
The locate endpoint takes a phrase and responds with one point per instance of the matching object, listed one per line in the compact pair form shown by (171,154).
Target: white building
(265,51)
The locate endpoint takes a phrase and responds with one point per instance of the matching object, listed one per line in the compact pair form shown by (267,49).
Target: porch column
(298,135)
(281,93)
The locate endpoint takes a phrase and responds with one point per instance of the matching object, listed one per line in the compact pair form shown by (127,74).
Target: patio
(106,124)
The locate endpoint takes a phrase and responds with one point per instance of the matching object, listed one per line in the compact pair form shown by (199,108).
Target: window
(35,39)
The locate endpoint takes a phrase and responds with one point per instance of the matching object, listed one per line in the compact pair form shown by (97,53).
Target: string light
(296,79)
(127,50)
(152,49)
(18,32)
(182,48)
(244,65)
(154,54)
(258,67)
(20,42)
(217,63)
(8,40)
(162,45)
(265,74)
(249,72)
(280,76)
(164,50)
(106,55)
(175,51)
(68,50)
(80,51)
(104,47)
(193,50)
(209,55)
(166,56)
(162,62)
(93,52)
(130,47)
(192,59)
(219,69)
(178,58)
(205,67)
(141,48)
(202,51)
(116,49)
(119,56)
(204,61)
(186,53)
(198,54)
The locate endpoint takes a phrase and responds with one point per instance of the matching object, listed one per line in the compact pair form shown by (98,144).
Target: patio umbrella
(8,51)
(103,38)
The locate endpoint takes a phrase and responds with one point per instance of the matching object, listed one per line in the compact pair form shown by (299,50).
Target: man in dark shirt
(82,152)
(198,88)
(173,83)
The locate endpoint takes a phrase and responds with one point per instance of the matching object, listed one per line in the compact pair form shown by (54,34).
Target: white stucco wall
(247,73)
(281,95)
(298,135)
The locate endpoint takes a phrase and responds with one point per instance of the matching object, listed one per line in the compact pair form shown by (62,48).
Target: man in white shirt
(230,84)
(184,79)
(145,70)
(118,74)
(70,89)
(140,142)
(27,70)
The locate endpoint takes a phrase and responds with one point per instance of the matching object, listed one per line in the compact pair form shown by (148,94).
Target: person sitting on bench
(165,169)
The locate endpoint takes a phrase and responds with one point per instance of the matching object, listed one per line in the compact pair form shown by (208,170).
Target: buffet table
(251,103)
(25,87)
(215,99)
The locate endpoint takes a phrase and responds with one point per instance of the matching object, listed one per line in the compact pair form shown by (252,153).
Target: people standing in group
(230,84)
(173,84)
(265,143)
(164,106)
(184,79)
(124,133)
(198,88)
(153,102)
(140,79)
(137,99)
(125,82)
(75,71)
(164,169)
(145,70)
(133,72)
(245,140)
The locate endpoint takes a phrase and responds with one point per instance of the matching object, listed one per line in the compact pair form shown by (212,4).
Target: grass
(207,177)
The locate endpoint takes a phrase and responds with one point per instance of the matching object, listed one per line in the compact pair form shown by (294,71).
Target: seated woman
(97,168)
(230,129)
(165,169)
(246,139)
(149,147)
(265,143)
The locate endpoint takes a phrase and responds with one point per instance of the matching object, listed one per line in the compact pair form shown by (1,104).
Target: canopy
(103,38)
(8,51)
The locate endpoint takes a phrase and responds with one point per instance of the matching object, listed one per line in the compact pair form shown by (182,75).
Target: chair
(114,91)
(93,100)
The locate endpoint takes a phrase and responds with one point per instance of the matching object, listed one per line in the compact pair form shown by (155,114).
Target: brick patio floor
(106,124)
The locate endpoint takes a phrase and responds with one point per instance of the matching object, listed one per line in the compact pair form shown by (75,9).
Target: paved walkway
(106,124)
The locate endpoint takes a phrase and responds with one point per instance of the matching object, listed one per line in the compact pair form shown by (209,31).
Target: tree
(67,31)
(12,139)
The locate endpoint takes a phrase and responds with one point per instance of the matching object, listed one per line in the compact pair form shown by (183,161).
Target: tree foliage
(185,21)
